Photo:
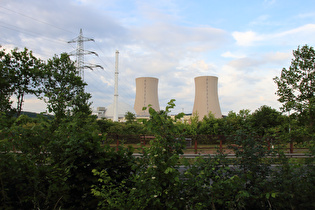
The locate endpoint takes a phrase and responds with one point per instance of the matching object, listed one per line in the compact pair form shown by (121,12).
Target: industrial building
(206,97)
(146,94)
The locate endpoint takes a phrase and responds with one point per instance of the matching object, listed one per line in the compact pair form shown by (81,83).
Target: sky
(243,43)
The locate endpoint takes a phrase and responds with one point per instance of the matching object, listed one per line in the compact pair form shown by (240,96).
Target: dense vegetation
(66,162)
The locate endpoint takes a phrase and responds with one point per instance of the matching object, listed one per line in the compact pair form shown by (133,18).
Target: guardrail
(289,155)
(193,142)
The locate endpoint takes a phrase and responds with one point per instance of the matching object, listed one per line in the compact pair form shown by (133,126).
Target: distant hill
(34,114)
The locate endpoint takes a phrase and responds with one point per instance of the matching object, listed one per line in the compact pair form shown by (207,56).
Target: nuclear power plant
(206,92)
(146,94)
(206,97)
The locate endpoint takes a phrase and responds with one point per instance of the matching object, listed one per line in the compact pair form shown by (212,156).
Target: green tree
(265,118)
(6,90)
(235,121)
(20,75)
(130,117)
(63,89)
(296,85)
(209,125)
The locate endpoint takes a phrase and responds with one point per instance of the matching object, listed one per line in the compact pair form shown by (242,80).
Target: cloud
(277,57)
(301,31)
(259,60)
(300,35)
(247,38)
(246,91)
(178,40)
(157,11)
(228,54)
(32,104)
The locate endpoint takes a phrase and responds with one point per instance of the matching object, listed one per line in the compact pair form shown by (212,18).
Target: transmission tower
(80,52)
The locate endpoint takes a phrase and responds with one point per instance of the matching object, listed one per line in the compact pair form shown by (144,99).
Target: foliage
(235,121)
(155,182)
(253,170)
(76,148)
(66,167)
(6,89)
(105,124)
(63,88)
(52,168)
(265,118)
(130,117)
(28,180)
(293,185)
(209,125)
(206,182)
(20,75)
(296,85)
(192,126)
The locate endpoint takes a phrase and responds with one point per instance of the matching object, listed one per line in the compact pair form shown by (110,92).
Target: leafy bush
(155,182)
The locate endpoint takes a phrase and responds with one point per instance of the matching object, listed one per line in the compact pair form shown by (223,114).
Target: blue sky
(244,43)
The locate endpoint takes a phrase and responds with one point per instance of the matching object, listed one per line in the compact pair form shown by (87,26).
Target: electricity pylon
(80,52)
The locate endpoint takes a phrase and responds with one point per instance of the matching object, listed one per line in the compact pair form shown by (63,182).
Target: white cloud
(228,54)
(32,104)
(247,38)
(277,57)
(300,35)
(246,91)
(263,60)
(170,38)
(301,31)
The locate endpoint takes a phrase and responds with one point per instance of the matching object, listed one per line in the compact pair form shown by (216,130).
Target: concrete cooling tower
(206,97)
(146,93)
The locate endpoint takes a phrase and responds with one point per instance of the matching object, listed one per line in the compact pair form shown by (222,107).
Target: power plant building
(146,94)
(206,97)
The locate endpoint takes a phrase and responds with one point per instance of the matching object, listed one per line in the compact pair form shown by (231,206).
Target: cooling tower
(146,93)
(206,97)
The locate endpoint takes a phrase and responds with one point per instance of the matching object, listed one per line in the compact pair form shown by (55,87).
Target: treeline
(265,122)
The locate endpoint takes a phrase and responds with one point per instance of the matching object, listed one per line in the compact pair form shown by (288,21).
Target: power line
(108,65)
(40,21)
(32,34)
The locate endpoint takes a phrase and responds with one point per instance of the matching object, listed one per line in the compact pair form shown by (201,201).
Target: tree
(27,70)
(130,117)
(209,125)
(21,75)
(264,119)
(63,89)
(235,121)
(6,90)
(296,85)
